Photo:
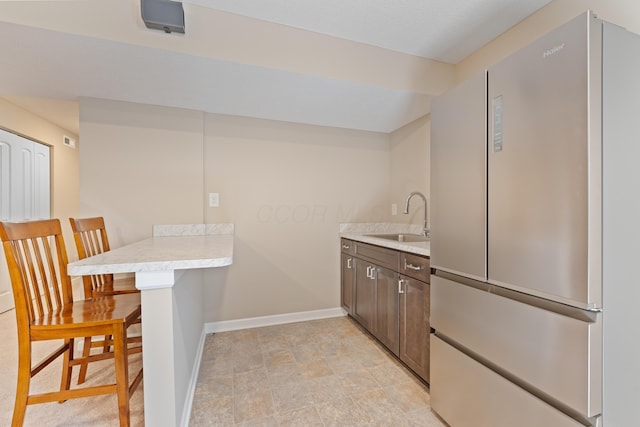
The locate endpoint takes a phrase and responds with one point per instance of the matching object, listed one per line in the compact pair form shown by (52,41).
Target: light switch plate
(214,200)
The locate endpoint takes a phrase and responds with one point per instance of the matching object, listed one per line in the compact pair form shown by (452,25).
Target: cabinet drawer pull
(345,246)
(411,266)
(400,290)
(349,263)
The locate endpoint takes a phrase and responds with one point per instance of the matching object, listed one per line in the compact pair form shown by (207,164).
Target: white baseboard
(277,319)
(234,325)
(191,389)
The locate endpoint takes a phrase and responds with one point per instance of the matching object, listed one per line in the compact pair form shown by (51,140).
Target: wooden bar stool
(45,310)
(90,236)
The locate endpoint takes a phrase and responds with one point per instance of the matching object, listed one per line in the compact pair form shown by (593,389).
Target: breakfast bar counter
(158,255)
(168,270)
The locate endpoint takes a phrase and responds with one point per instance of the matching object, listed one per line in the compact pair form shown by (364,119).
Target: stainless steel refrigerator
(535,205)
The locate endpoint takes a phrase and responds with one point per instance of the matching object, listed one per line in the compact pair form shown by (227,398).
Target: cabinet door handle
(400,283)
(349,263)
(408,265)
(369,272)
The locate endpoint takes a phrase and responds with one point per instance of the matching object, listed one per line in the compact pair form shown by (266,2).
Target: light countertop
(160,254)
(360,232)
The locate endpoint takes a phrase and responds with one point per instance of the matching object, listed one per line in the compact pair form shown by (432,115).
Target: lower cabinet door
(386,329)
(414,325)
(347,276)
(363,307)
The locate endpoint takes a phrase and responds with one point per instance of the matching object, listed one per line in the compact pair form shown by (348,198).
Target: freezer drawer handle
(411,266)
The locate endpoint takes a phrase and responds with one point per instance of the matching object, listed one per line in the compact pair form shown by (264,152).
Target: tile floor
(318,373)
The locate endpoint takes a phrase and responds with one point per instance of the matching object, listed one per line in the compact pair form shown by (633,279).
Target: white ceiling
(444,30)
(82,66)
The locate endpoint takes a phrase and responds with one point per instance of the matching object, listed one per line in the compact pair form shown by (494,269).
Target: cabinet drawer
(347,246)
(381,256)
(415,266)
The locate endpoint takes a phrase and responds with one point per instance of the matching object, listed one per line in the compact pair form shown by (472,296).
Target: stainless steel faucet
(424,199)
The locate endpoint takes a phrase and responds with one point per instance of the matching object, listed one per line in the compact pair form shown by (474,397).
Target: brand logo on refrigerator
(553,50)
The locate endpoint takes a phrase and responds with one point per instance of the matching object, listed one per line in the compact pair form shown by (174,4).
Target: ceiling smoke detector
(165,15)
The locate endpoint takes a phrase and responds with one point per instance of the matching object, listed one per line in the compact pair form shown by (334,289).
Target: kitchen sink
(401,237)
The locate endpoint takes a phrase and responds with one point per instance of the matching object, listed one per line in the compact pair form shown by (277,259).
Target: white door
(25,191)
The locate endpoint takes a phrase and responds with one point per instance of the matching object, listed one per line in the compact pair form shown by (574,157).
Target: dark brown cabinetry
(365,294)
(348,275)
(386,311)
(413,288)
(414,325)
(389,294)
(376,298)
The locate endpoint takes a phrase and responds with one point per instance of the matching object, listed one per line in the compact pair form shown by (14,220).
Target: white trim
(193,382)
(157,279)
(234,325)
(277,319)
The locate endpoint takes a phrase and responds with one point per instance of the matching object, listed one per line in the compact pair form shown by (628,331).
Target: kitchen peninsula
(168,270)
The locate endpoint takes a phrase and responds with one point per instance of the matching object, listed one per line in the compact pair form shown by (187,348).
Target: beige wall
(625,13)
(285,186)
(140,165)
(410,168)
